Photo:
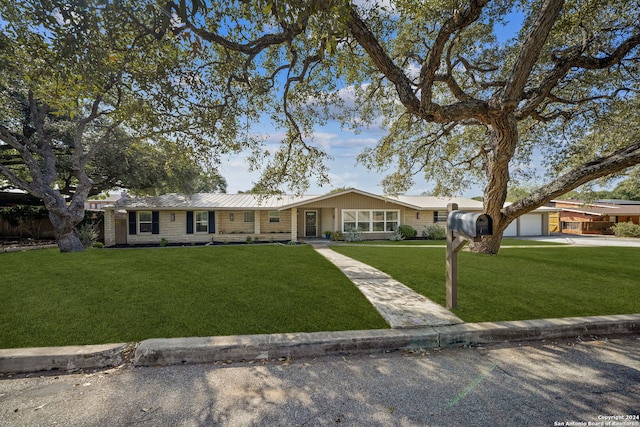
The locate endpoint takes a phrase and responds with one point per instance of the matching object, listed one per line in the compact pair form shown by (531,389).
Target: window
(145,221)
(378,220)
(202,221)
(367,221)
(440,216)
(348,220)
(274,216)
(391,220)
(249,216)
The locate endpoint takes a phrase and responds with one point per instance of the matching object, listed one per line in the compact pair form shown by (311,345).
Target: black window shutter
(155,222)
(132,223)
(212,222)
(189,222)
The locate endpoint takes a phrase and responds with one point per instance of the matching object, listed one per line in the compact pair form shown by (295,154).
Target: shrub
(98,245)
(435,232)
(353,236)
(626,229)
(164,242)
(396,236)
(336,235)
(249,239)
(407,231)
(88,234)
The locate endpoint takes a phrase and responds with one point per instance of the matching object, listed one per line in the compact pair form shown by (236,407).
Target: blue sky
(343,145)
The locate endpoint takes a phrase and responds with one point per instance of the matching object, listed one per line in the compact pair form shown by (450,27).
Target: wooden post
(454,244)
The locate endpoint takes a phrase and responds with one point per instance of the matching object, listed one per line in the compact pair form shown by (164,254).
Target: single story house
(213,217)
(580,217)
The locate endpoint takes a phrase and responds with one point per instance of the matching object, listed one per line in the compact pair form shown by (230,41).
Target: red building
(579,217)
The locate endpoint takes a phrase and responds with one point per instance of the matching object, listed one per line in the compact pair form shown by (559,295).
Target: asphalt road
(530,384)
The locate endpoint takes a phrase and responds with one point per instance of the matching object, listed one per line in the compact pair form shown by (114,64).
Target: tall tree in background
(460,105)
(87,80)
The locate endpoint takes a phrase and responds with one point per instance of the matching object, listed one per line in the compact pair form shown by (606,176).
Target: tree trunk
(66,234)
(64,217)
(503,142)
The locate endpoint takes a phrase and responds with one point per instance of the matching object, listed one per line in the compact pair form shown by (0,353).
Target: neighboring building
(209,217)
(579,217)
(98,203)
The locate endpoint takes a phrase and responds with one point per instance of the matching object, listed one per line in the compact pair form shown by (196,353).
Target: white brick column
(294,224)
(256,222)
(109,227)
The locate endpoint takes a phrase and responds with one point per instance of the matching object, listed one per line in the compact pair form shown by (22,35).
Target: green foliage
(396,235)
(88,234)
(353,236)
(336,236)
(164,242)
(435,232)
(19,214)
(407,231)
(91,94)
(626,229)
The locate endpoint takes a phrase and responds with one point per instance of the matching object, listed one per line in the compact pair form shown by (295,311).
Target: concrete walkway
(398,304)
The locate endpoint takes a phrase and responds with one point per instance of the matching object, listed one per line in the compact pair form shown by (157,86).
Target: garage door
(512,229)
(531,225)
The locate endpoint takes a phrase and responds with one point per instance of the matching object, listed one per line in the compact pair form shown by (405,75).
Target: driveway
(582,240)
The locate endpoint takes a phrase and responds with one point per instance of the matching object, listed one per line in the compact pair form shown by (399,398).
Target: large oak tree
(83,85)
(460,104)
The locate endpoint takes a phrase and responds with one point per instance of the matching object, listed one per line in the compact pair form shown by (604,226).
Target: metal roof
(351,190)
(600,207)
(221,201)
(210,201)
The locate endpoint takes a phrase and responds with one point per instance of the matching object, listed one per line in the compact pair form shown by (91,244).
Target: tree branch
(529,54)
(590,63)
(603,166)
(458,21)
(376,52)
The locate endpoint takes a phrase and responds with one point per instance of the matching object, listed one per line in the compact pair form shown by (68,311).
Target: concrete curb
(259,347)
(64,358)
(173,351)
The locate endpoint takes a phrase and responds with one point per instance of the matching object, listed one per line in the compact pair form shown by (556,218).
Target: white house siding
(420,220)
(173,231)
(232,222)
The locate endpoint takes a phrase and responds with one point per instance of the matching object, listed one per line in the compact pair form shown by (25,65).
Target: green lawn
(123,295)
(519,283)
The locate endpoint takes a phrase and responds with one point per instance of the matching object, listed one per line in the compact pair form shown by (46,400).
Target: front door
(311,223)
(121,224)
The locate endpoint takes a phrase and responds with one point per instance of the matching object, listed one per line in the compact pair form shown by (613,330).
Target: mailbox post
(462,227)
